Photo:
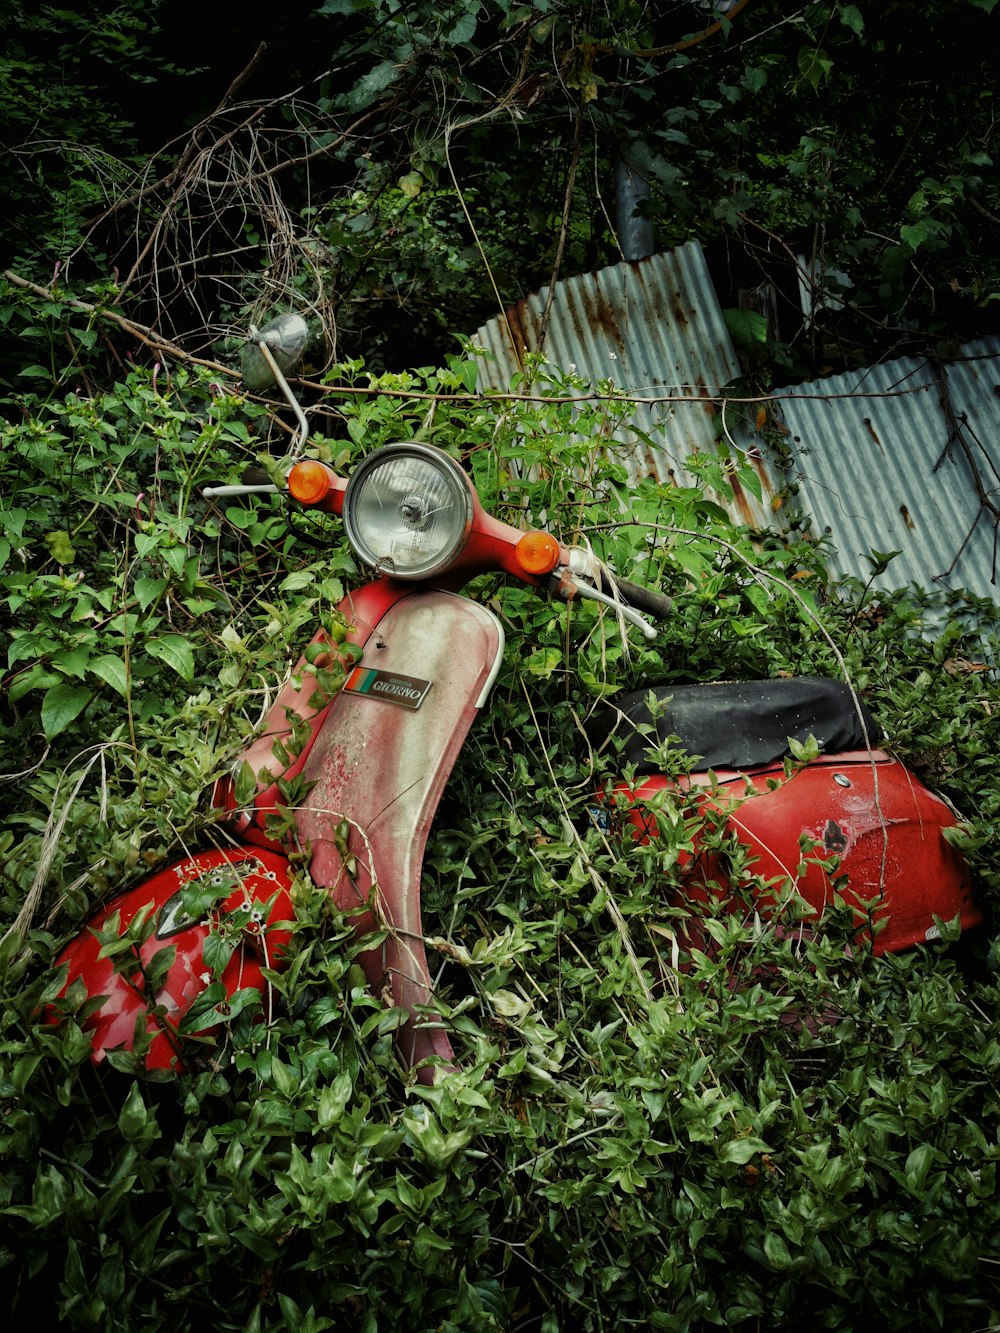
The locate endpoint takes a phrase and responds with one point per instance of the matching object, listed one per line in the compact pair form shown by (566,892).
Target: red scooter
(348,770)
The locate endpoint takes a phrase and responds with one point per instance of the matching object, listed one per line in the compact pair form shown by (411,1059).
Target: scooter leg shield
(142,957)
(377,769)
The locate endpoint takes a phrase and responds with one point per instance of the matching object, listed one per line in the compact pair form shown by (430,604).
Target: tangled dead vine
(211,239)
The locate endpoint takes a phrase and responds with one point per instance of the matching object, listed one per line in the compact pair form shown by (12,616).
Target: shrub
(626,1145)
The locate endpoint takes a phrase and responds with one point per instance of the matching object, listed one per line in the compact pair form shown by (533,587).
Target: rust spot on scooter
(835,839)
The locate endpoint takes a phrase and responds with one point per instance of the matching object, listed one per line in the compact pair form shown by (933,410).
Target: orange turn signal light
(537,553)
(310,482)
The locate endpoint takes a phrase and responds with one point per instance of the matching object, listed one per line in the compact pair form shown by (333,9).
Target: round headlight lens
(408,510)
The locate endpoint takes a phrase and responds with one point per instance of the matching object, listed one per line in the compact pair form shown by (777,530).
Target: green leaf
(29,644)
(258,1245)
(283,1077)
(925,234)
(246,784)
(61,549)
(437,1148)
(777,1252)
(411,184)
(175,650)
(157,968)
(740,1151)
(143,1248)
(750,481)
(803,752)
(814,66)
(62,705)
(367,88)
(243,517)
(917,1166)
(147,590)
(463,28)
(202,1012)
(37,678)
(133,1115)
(217,951)
(146,543)
(879,561)
(543,662)
(302,578)
(754,80)
(111,670)
(12,521)
(72,661)
(247,997)
(175,557)
(748,330)
(333,1101)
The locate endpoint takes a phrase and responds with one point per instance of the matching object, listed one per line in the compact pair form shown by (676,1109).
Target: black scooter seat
(734,725)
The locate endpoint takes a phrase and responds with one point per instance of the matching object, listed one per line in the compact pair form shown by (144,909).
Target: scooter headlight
(408,510)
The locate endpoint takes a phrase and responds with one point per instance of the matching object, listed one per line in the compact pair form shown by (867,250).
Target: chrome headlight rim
(460,493)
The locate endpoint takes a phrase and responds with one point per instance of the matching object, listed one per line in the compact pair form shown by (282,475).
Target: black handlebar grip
(656,604)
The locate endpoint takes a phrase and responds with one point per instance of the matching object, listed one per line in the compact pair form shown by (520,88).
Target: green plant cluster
(788,1131)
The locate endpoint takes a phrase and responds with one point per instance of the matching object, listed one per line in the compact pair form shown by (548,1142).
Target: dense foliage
(787,1132)
(626,1145)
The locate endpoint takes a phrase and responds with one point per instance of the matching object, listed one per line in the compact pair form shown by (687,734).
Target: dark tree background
(402,173)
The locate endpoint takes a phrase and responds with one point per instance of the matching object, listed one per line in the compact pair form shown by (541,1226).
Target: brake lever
(265,488)
(568,586)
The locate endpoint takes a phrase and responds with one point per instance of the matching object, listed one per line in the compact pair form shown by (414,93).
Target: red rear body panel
(884,827)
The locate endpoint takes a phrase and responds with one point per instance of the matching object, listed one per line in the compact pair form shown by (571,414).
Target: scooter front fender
(245,884)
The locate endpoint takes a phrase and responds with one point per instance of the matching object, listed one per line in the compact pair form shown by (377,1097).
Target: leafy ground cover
(626,1145)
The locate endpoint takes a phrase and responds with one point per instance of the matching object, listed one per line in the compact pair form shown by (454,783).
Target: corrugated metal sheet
(894,457)
(655,328)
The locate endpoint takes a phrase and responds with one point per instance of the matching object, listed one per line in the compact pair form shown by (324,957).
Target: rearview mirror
(285,338)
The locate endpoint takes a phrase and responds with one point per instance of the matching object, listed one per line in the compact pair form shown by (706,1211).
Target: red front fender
(247,886)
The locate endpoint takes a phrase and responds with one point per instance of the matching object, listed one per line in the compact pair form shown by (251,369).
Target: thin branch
(563,228)
(145,334)
(654,52)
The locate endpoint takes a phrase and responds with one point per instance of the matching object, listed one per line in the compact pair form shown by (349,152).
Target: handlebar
(577,588)
(587,576)
(655,604)
(476,544)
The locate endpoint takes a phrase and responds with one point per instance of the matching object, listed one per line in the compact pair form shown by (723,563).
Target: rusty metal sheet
(654,328)
(902,456)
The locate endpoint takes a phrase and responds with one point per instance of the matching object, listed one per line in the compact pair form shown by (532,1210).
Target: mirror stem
(293,402)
